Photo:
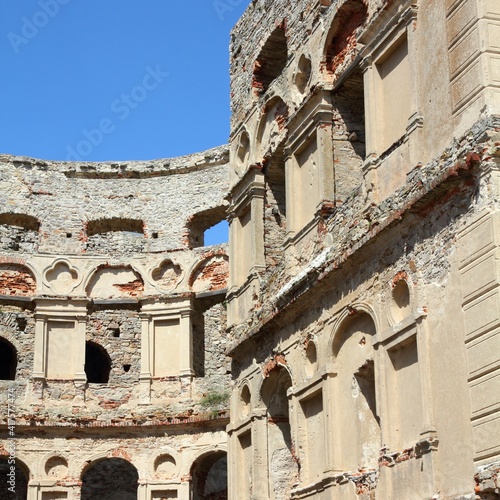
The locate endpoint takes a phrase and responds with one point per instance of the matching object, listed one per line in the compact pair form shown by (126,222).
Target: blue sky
(99,80)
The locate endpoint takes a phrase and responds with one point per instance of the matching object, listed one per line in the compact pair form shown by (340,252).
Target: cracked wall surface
(112,327)
(344,344)
(364,168)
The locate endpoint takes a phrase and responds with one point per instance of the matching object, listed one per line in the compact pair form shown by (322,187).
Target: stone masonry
(363,311)
(113,328)
(344,345)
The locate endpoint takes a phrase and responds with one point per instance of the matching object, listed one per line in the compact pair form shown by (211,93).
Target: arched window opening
(8,360)
(283,467)
(271,61)
(341,41)
(114,225)
(209,477)
(17,477)
(110,479)
(97,364)
(19,232)
(27,222)
(115,235)
(208,227)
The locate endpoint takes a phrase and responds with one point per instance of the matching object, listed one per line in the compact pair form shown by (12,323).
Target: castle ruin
(344,345)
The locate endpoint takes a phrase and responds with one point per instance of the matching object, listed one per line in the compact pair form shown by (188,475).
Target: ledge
(127,169)
(219,419)
(458,163)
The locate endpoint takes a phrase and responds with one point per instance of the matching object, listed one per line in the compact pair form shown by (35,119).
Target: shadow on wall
(110,479)
(18,479)
(209,477)
(8,360)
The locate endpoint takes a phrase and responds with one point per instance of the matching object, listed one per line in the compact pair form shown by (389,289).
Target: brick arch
(17,280)
(276,362)
(83,466)
(341,39)
(210,274)
(198,223)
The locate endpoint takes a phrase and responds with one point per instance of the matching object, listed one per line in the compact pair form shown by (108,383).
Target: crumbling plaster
(393,225)
(361,323)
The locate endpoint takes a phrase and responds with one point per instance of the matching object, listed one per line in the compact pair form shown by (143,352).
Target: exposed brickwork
(107,238)
(350,17)
(16,280)
(211,275)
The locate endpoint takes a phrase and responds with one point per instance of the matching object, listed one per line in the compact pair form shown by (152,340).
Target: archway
(209,477)
(14,484)
(110,479)
(8,360)
(97,364)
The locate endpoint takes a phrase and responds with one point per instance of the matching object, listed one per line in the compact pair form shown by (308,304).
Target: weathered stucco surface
(364,235)
(345,344)
(113,328)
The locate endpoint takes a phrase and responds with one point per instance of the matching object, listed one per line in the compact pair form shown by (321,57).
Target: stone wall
(95,260)
(65,198)
(353,329)
(364,170)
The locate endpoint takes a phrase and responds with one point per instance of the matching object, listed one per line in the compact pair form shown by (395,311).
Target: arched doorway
(209,477)
(97,364)
(14,484)
(8,360)
(110,479)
